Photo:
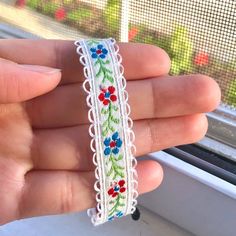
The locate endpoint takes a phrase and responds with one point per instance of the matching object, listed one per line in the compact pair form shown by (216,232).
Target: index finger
(139,60)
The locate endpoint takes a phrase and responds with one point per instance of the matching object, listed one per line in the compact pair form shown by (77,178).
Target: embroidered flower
(112,144)
(117,188)
(99,51)
(111,218)
(107,95)
(119,214)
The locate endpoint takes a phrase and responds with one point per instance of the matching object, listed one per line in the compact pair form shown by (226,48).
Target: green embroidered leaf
(105,123)
(115,120)
(92,41)
(99,72)
(107,61)
(96,62)
(109,78)
(115,108)
(118,173)
(122,197)
(120,167)
(110,172)
(104,111)
(101,61)
(107,70)
(120,157)
(104,132)
(121,204)
(122,175)
(111,128)
(114,177)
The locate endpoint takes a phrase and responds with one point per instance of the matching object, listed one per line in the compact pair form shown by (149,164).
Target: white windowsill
(197,201)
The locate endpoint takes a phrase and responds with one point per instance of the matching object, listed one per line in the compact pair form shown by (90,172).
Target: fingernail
(40,69)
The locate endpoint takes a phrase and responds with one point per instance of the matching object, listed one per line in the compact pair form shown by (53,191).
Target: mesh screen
(199,35)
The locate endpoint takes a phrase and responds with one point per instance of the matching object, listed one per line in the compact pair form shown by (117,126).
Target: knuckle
(154,96)
(67,194)
(153,136)
(58,52)
(36,111)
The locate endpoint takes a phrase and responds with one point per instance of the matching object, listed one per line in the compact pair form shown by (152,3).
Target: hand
(45,158)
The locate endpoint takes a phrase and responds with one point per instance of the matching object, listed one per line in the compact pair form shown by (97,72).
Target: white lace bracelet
(110,130)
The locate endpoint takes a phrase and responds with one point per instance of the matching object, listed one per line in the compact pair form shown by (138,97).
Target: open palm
(45,158)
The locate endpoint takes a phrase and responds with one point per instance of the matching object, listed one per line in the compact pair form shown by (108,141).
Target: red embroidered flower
(60,14)
(107,95)
(132,33)
(117,188)
(201,59)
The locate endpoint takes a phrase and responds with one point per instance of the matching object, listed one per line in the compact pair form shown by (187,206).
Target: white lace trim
(100,215)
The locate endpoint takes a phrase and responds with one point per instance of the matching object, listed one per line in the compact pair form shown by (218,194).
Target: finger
(69,149)
(157,97)
(19,83)
(57,192)
(150,60)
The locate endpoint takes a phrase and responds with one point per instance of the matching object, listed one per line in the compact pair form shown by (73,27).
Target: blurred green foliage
(181,51)
(33,3)
(231,93)
(178,46)
(111,17)
(79,14)
(49,8)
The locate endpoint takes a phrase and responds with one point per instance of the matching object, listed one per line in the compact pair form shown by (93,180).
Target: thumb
(22,82)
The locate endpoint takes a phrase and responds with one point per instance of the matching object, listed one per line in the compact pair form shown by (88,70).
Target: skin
(45,158)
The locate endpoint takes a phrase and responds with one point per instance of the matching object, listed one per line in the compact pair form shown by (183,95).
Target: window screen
(198,35)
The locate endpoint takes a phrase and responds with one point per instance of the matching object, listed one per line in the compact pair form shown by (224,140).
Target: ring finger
(69,149)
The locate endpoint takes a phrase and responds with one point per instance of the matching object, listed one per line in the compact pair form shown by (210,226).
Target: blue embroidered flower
(111,218)
(112,144)
(119,214)
(99,51)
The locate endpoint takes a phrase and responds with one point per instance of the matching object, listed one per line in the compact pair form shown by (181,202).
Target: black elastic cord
(136,214)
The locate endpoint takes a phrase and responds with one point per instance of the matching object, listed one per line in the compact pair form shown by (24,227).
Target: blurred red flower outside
(60,14)
(20,3)
(201,59)
(132,33)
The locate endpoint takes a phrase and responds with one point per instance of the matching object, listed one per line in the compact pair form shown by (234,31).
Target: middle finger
(150,98)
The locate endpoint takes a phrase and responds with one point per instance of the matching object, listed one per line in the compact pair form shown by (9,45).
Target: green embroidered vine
(118,203)
(115,169)
(110,120)
(107,73)
(92,41)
